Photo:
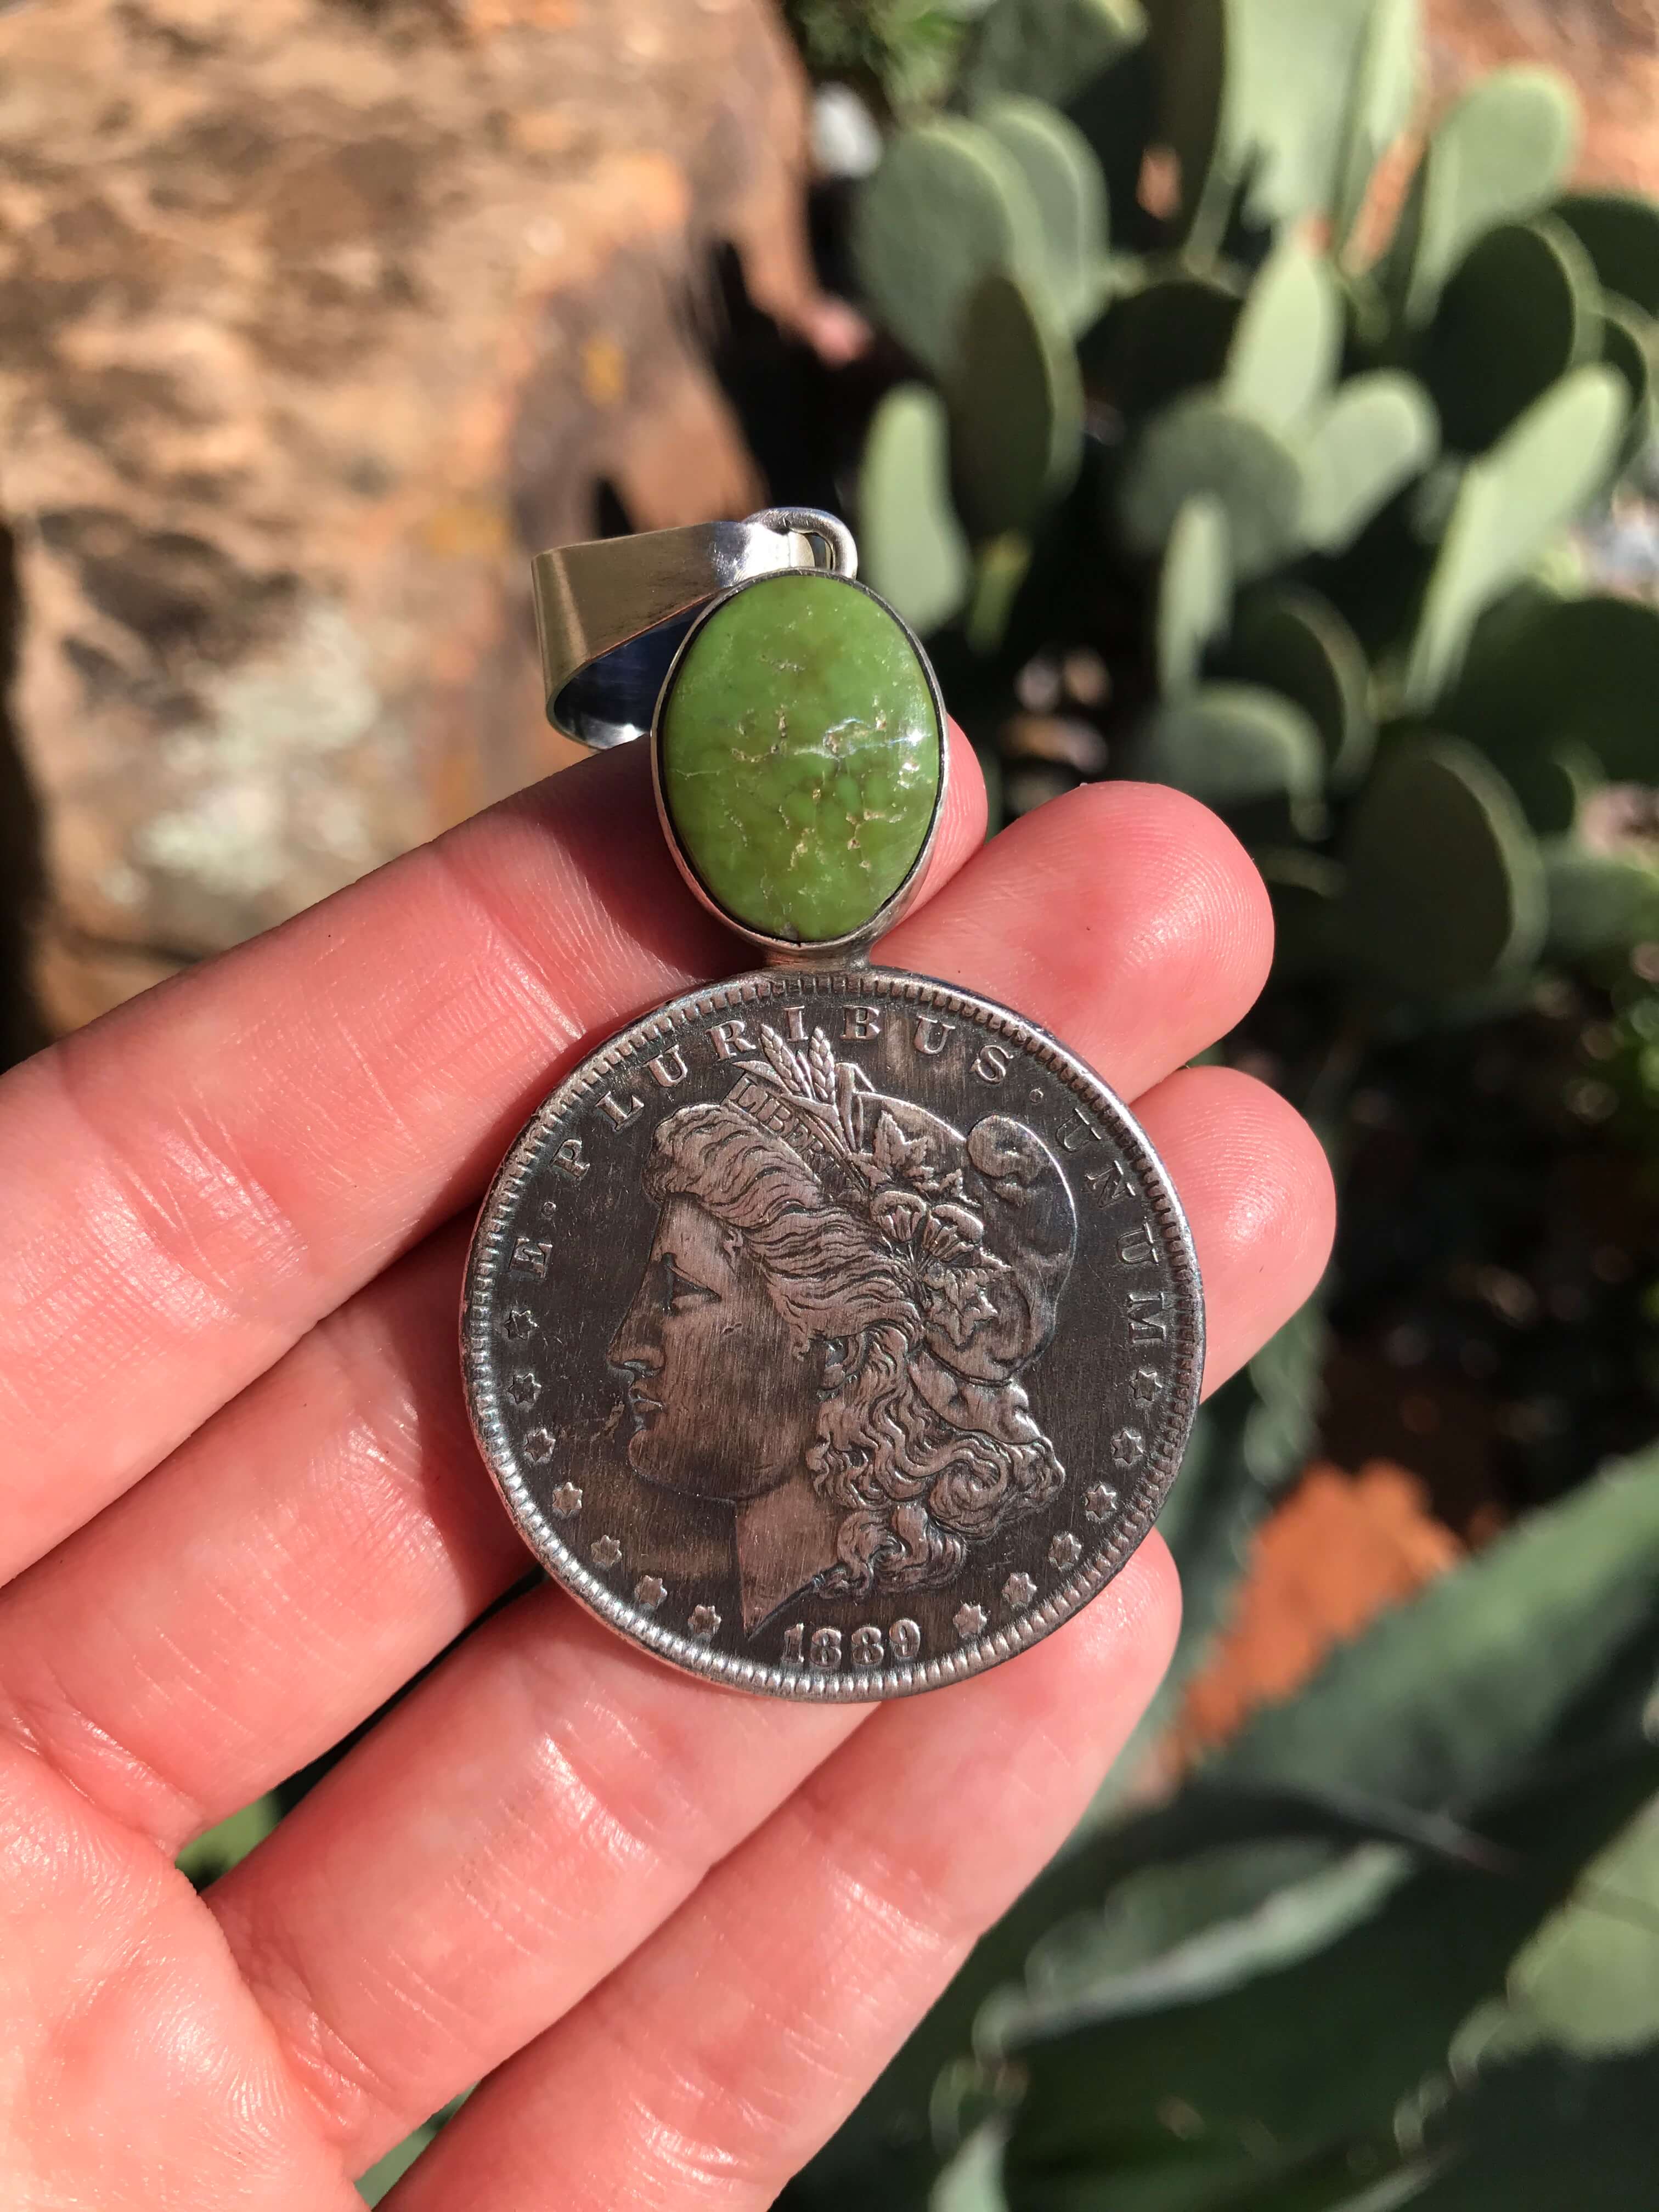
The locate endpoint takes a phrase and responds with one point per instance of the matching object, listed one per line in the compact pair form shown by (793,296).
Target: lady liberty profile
(841,1293)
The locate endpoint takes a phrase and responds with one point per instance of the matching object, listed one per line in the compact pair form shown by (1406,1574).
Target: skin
(238,1508)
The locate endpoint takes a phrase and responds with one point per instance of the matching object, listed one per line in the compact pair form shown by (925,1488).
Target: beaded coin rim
(490,1254)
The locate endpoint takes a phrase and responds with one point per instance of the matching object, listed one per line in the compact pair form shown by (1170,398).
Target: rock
(316,317)
(1609,50)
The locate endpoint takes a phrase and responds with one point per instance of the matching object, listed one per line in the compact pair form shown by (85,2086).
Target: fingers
(490,1852)
(190,1183)
(332,1530)
(711,2066)
(139,2071)
(1257,1189)
(1125,917)
(306,1551)
(536,1785)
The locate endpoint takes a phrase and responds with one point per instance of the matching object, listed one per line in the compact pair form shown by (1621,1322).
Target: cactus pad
(911,545)
(1501,151)
(1377,435)
(1158,340)
(1620,231)
(1284,353)
(1194,594)
(1201,444)
(1232,744)
(1509,504)
(1293,641)
(1545,673)
(946,204)
(1050,49)
(1059,165)
(1520,310)
(1015,409)
(1445,890)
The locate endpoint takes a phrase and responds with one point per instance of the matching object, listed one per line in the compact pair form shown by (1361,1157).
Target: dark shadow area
(803,419)
(22,875)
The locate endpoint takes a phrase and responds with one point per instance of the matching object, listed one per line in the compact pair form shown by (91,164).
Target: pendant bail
(610,614)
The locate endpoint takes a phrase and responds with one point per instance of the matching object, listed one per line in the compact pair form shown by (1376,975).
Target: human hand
(678,1928)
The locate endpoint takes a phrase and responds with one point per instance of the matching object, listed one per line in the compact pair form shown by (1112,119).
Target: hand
(678,1930)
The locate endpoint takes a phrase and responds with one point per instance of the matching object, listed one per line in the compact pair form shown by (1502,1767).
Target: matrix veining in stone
(801,755)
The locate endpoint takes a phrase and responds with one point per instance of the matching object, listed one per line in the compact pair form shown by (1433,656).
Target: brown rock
(315,317)
(1338,1551)
(1609,49)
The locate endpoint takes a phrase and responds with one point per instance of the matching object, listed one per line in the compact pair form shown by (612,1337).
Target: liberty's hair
(915,1488)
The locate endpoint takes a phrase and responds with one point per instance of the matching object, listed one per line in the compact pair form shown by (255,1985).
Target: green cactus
(1268,509)
(1509,504)
(1445,890)
(1194,593)
(1293,641)
(1065,181)
(1282,359)
(1522,308)
(1502,151)
(1543,671)
(1203,445)
(1286,509)
(1384,95)
(1620,231)
(1016,408)
(1234,745)
(947,205)
(1378,435)
(912,547)
(1050,49)
(1160,336)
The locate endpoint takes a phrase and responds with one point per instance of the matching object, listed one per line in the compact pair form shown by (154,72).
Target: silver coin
(833,1333)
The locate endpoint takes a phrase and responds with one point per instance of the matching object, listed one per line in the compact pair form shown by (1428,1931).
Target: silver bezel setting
(814,952)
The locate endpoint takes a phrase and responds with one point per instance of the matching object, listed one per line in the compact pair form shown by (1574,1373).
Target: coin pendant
(832,1333)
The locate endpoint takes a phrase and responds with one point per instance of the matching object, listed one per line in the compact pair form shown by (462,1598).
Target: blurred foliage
(899,54)
(1395,1945)
(1306,510)
(1217,441)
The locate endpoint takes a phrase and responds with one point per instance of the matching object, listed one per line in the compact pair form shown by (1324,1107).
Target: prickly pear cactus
(1303,491)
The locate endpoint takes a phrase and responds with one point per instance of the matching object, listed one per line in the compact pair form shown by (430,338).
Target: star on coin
(1100,1501)
(704,1621)
(540,1445)
(522,1389)
(969,1621)
(517,1323)
(606,1551)
(1019,1589)
(566,1499)
(649,1592)
(1065,1551)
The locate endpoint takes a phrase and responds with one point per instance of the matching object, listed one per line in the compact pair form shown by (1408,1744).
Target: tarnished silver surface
(833,1333)
(611,613)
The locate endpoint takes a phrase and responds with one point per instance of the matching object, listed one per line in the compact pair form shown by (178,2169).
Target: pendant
(831,1332)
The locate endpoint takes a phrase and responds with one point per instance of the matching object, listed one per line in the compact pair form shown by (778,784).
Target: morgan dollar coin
(834,1333)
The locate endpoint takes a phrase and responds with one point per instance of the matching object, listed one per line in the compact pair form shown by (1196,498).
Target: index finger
(193,1182)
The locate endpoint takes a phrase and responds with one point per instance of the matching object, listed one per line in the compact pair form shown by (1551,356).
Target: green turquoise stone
(800,756)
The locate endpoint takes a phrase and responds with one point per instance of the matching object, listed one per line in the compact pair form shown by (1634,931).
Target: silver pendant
(831,1332)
